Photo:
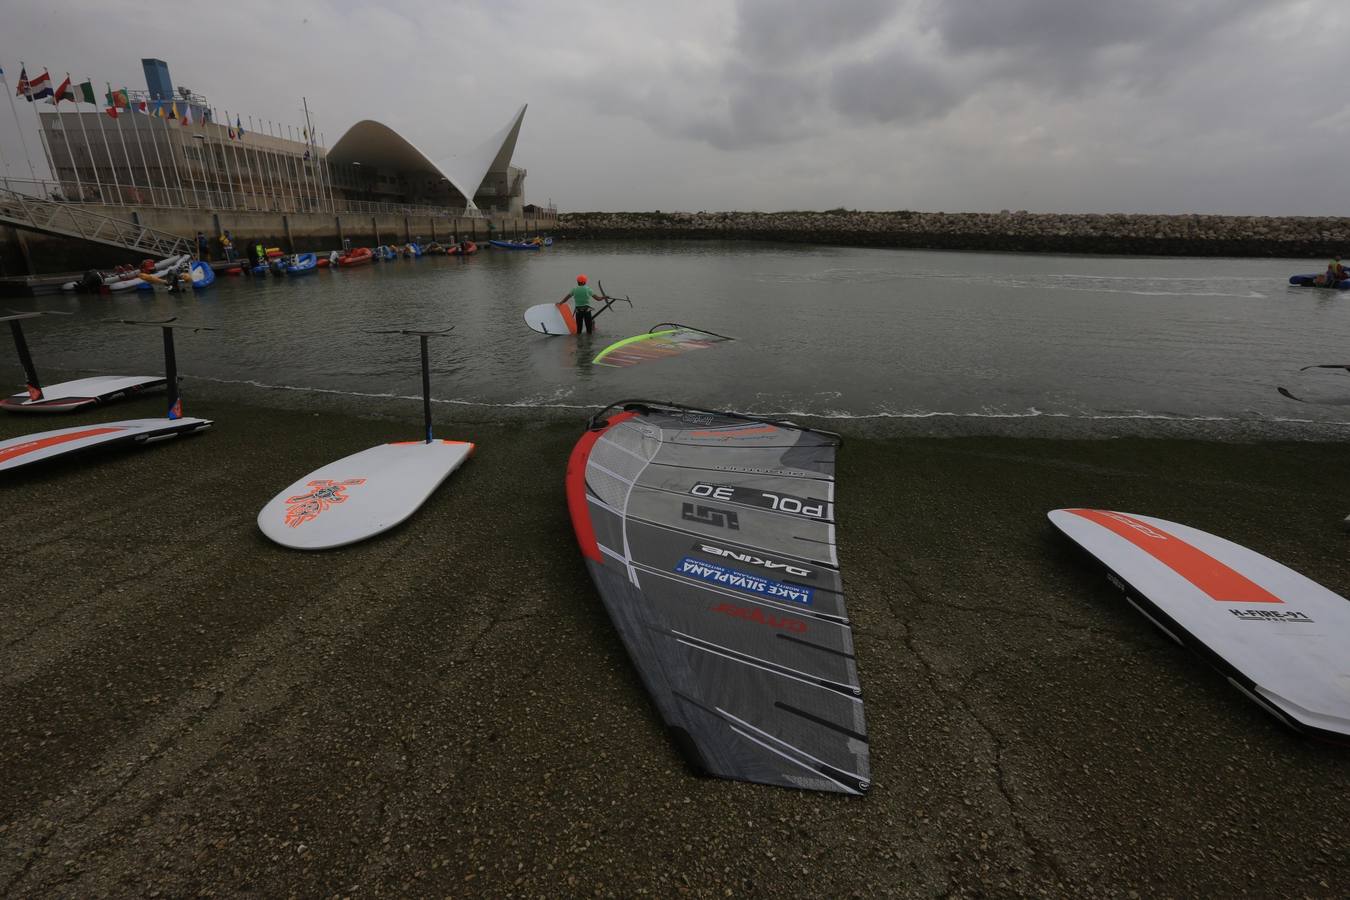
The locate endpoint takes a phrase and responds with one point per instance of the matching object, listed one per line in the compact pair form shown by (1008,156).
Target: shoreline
(405,410)
(446,708)
(1315,237)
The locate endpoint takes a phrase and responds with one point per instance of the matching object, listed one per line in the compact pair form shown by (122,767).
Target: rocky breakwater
(1135,235)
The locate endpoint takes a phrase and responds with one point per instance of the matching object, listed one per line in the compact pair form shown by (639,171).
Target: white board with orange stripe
(32,448)
(552,318)
(1280,637)
(361,495)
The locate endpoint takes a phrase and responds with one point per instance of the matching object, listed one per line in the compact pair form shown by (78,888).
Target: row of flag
(118,101)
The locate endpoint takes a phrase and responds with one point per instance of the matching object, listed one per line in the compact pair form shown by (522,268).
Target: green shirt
(581,296)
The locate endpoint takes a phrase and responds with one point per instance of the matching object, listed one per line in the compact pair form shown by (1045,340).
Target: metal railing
(228,198)
(72,220)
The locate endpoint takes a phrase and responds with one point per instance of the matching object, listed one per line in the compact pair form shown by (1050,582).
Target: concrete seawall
(1023,232)
(30,253)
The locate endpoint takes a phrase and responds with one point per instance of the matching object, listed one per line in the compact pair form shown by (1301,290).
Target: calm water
(824,331)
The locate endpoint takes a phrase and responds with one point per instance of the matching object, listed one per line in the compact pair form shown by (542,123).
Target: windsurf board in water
(361,495)
(551,318)
(31,448)
(1279,637)
(710,538)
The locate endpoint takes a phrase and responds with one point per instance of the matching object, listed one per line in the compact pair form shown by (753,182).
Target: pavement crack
(1001,779)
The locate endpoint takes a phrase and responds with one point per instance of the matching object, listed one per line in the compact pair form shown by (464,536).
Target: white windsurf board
(31,448)
(70,395)
(1280,637)
(552,318)
(361,495)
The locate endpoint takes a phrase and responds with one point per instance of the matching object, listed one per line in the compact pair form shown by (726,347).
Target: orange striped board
(552,318)
(1280,637)
(32,448)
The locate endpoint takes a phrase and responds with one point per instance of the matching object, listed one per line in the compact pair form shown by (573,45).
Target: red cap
(581,279)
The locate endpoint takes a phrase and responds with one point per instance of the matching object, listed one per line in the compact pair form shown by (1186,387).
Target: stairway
(74,221)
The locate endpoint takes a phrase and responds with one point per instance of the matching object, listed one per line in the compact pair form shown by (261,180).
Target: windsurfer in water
(1335,272)
(581,297)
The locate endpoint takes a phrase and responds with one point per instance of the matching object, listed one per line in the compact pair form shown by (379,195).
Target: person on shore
(581,297)
(227,246)
(203,246)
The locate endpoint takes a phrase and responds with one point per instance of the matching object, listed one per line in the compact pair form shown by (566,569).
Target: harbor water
(836,333)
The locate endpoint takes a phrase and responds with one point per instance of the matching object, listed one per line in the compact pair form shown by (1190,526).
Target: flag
(23,83)
(141,106)
(40,87)
(306,132)
(113,112)
(239,127)
(64,92)
(187,114)
(173,110)
(87,93)
(118,99)
(231,132)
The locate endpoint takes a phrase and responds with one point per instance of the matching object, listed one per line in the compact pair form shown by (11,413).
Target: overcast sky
(1229,106)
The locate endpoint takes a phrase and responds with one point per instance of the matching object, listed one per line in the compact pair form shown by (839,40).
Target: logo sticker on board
(308,507)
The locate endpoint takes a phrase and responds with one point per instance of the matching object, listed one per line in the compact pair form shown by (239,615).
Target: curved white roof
(373,143)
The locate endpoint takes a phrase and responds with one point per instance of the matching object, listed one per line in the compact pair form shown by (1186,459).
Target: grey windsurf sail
(711,539)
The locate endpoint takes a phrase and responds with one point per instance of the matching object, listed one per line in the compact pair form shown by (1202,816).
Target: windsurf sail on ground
(65,396)
(710,537)
(659,342)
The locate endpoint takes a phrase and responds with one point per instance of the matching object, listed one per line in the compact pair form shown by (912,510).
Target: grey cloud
(1077,44)
(896,86)
(800,32)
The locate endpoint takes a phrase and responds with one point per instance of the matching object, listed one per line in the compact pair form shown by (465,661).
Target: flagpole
(299,181)
(264,170)
(187,161)
(252,184)
(55,100)
(17,125)
(278,190)
(225,156)
(159,159)
(265,158)
(5,161)
(98,182)
(240,138)
(42,138)
(173,158)
(107,150)
(121,138)
(313,155)
(328,174)
(285,169)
